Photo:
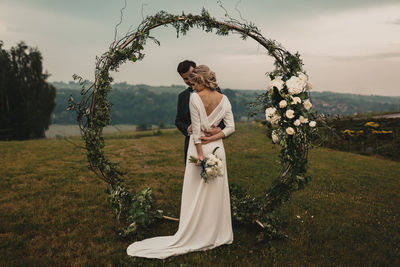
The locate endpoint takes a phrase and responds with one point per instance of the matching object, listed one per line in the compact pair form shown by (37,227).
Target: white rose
(290,114)
(219,164)
(275,137)
(293,82)
(296,100)
(295,85)
(297,122)
(303,120)
(277,82)
(308,86)
(282,104)
(307,104)
(302,76)
(295,90)
(290,130)
(271,115)
(274,119)
(312,123)
(270,111)
(211,159)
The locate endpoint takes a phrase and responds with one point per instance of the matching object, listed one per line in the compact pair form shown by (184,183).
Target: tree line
(26,99)
(144,105)
(155,105)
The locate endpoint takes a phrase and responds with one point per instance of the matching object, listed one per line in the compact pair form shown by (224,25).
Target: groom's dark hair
(184,66)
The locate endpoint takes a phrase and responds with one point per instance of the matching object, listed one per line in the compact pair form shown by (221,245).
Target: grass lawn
(53,210)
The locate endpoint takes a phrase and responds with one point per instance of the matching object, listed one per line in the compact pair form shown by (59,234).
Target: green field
(53,210)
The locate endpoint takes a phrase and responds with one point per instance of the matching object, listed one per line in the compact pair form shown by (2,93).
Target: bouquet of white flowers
(211,166)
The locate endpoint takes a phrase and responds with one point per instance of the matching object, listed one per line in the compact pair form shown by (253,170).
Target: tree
(26,99)
(5,64)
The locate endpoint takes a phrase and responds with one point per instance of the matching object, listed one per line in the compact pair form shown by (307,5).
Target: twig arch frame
(93,111)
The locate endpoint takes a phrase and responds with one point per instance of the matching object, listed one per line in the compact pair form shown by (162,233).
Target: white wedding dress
(205,217)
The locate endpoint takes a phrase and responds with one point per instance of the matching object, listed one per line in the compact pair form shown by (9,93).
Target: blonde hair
(203,74)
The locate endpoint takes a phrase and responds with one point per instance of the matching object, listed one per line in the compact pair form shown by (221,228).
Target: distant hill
(349,104)
(145,104)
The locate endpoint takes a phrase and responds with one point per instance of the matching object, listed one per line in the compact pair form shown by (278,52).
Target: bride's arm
(195,118)
(229,121)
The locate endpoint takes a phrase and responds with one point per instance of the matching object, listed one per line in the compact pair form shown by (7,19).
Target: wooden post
(260,224)
(170,218)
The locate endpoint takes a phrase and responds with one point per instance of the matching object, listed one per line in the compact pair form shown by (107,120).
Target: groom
(182,120)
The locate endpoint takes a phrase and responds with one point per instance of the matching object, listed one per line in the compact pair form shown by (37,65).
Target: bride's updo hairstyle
(203,75)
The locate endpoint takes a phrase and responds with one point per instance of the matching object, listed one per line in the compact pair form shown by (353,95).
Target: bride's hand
(212,131)
(200,159)
(205,139)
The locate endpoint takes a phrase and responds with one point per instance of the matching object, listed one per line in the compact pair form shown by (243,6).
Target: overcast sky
(349,46)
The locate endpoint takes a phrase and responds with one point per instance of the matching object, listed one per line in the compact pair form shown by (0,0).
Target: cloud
(396,21)
(383,55)
(386,55)
(3,28)
(14,29)
(351,34)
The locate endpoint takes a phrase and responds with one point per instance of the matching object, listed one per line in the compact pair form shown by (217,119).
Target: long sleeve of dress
(195,118)
(221,125)
(229,121)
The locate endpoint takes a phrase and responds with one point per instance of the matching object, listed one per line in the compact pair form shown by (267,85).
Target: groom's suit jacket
(182,119)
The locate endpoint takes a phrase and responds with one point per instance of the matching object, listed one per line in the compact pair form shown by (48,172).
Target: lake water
(388,116)
(73,130)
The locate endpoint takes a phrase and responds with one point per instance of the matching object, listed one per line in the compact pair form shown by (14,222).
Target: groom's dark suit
(182,120)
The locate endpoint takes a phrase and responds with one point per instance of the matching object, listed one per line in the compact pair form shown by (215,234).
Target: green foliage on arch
(136,209)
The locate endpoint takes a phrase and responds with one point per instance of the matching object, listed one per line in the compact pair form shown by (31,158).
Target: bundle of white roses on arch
(290,106)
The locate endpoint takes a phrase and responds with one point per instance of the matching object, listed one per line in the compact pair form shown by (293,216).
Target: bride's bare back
(210,99)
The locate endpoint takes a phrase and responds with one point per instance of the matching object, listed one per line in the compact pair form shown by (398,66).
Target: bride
(205,216)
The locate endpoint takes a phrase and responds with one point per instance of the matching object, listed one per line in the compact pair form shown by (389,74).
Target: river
(73,130)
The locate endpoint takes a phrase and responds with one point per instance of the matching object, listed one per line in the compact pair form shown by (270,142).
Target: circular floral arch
(286,104)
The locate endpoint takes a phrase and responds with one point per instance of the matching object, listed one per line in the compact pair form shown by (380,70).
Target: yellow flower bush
(369,131)
(352,133)
(348,132)
(360,132)
(372,124)
(381,132)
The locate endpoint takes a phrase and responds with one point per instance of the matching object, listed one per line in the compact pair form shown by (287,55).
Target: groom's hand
(205,139)
(190,130)
(213,131)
